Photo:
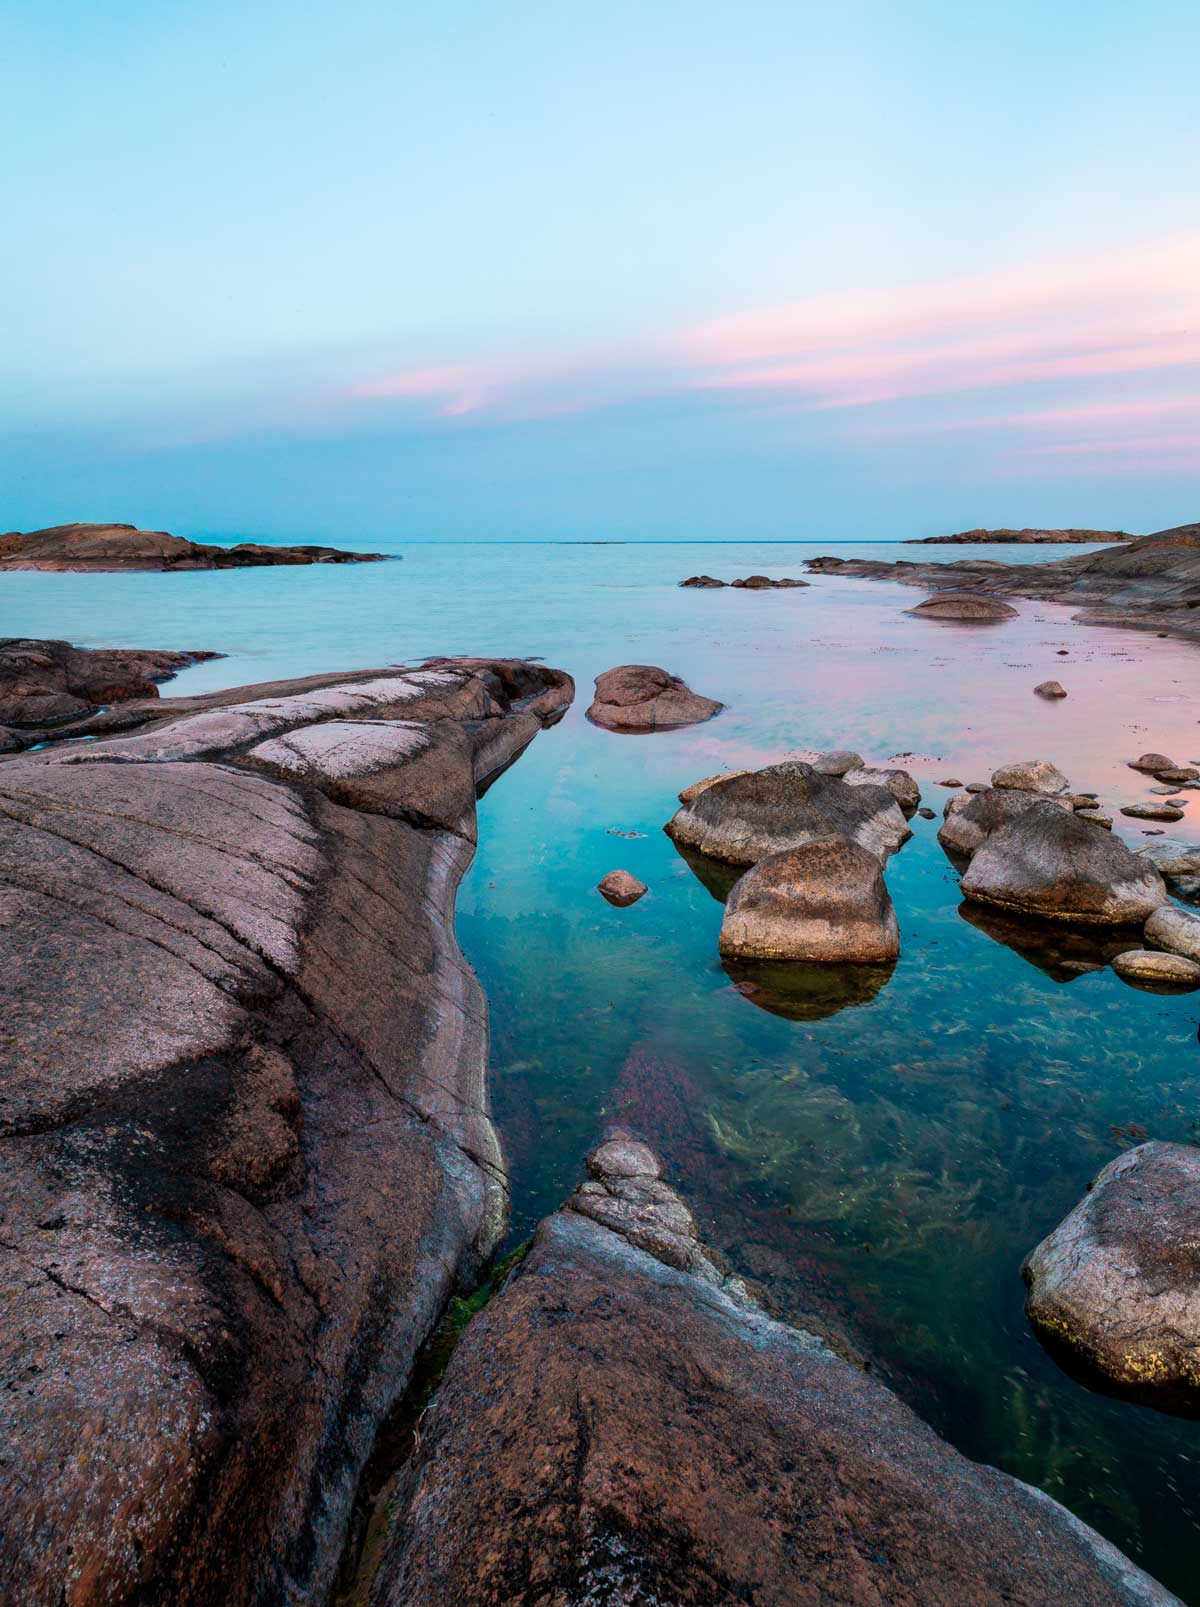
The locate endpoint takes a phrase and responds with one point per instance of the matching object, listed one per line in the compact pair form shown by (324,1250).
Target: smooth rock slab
(1052,863)
(1114,1291)
(1152,811)
(643,697)
(825,901)
(963,605)
(742,819)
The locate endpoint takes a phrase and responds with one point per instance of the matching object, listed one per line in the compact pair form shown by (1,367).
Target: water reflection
(1063,952)
(800,991)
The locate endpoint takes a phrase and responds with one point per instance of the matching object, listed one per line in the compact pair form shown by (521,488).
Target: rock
(1058,949)
(1177,774)
(1031,775)
(645,1433)
(1049,862)
(763,583)
(1152,763)
(1149,967)
(927,814)
(96,547)
(1175,930)
(1025,537)
(1050,689)
(1114,1291)
(950,781)
(1096,817)
(10,742)
(837,763)
(701,580)
(641,697)
(697,787)
(248,1154)
(1177,863)
(1082,800)
(963,605)
(1152,811)
(620,888)
(742,819)
(899,783)
(978,786)
(967,828)
(825,901)
(46,683)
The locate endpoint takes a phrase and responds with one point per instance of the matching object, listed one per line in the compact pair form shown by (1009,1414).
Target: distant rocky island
(1027,537)
(121,547)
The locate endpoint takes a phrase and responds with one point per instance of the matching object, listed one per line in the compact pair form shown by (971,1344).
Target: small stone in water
(951,782)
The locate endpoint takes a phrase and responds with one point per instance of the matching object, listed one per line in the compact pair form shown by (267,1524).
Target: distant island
(971,538)
(108,547)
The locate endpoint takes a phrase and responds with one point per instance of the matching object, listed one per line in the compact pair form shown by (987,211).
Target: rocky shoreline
(1149,584)
(1026,537)
(97,548)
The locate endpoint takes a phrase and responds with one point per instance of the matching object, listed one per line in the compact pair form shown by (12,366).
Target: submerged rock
(798,990)
(248,1153)
(742,819)
(1114,1291)
(1059,950)
(1031,775)
(1175,930)
(1150,968)
(645,1433)
(1177,863)
(963,605)
(1050,862)
(642,697)
(621,888)
(825,901)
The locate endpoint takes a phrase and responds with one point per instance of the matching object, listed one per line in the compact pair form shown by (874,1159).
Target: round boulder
(969,826)
(825,901)
(1052,863)
(621,888)
(1152,763)
(899,783)
(1050,689)
(837,763)
(1176,930)
(742,819)
(1152,811)
(642,697)
(1031,775)
(1150,968)
(963,605)
(1114,1291)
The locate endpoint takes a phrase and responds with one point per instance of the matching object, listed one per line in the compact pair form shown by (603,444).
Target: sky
(626,271)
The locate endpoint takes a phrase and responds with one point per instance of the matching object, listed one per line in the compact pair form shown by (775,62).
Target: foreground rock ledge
(100,547)
(1114,1291)
(623,1424)
(246,1144)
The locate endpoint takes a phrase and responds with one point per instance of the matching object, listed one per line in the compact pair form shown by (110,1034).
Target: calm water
(879,1163)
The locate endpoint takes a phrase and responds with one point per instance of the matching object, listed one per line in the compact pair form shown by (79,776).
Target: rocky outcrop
(247,1153)
(45,684)
(99,547)
(963,605)
(1114,1291)
(969,825)
(644,1432)
(704,582)
(740,819)
(1149,584)
(621,888)
(823,902)
(642,697)
(1025,537)
(1049,862)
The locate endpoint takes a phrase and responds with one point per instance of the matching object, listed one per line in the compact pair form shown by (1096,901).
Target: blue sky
(628,271)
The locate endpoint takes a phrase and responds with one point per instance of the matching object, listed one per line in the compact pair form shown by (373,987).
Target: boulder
(697,787)
(702,581)
(1177,774)
(1152,811)
(764,583)
(825,902)
(1049,862)
(1177,863)
(837,763)
(1050,689)
(1175,930)
(1150,968)
(248,1154)
(1031,775)
(742,819)
(899,783)
(646,1433)
(1114,1290)
(1152,763)
(969,825)
(642,697)
(621,888)
(1096,817)
(963,605)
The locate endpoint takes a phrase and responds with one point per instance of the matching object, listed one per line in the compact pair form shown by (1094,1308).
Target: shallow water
(882,1163)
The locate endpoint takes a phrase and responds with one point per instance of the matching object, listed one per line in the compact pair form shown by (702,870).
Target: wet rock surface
(646,1433)
(1152,583)
(1155,969)
(741,819)
(1114,1290)
(968,826)
(642,697)
(1051,863)
(244,1124)
(824,902)
(46,683)
(99,547)
(963,605)
(621,888)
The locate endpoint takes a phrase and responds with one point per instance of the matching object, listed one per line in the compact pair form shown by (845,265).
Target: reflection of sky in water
(884,1167)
